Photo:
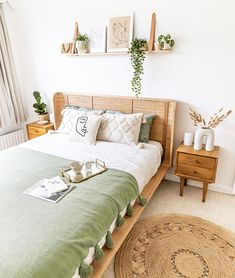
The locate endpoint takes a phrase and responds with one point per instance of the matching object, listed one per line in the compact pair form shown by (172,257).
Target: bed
(148,166)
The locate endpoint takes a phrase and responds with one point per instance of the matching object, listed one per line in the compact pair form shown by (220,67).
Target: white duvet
(142,163)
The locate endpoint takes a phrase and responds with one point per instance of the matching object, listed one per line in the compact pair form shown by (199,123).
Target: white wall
(199,73)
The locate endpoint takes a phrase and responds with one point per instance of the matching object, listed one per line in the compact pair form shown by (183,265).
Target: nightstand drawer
(197,160)
(36,131)
(195,172)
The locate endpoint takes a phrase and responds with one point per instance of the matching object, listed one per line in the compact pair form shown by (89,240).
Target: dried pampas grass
(215,120)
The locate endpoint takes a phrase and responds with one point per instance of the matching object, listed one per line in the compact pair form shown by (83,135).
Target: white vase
(166,46)
(210,138)
(82,47)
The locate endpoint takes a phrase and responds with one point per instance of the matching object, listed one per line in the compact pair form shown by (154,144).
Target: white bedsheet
(142,163)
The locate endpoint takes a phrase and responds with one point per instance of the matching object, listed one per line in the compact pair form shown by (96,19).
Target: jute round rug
(176,246)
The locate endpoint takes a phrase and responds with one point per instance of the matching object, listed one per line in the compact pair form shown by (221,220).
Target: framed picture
(98,37)
(120,33)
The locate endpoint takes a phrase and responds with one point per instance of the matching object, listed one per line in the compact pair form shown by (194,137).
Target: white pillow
(69,118)
(121,128)
(85,128)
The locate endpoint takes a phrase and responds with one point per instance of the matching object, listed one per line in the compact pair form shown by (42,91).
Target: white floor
(218,208)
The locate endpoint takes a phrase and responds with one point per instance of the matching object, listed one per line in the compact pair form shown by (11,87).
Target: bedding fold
(40,239)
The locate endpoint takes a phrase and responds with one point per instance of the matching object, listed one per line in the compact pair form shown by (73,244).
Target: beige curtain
(11,105)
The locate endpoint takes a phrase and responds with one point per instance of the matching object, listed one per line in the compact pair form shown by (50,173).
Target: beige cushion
(85,128)
(121,128)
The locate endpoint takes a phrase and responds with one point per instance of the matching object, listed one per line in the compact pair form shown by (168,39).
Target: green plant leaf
(172,43)
(160,38)
(36,94)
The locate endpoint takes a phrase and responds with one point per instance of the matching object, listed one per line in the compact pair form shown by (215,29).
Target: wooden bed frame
(162,131)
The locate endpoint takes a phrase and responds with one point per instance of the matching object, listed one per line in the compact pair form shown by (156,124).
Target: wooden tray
(97,167)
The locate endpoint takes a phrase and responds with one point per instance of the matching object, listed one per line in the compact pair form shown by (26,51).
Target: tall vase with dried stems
(206,130)
(210,138)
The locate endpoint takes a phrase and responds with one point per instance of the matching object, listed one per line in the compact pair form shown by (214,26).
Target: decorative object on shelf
(206,128)
(66,48)
(137,54)
(188,138)
(166,42)
(98,38)
(40,108)
(152,33)
(120,33)
(82,43)
(75,36)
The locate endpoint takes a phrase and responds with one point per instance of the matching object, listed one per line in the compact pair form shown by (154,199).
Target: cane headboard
(163,126)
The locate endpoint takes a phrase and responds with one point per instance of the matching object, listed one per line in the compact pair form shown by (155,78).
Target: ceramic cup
(76,167)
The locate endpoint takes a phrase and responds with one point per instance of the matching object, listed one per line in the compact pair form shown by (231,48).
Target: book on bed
(51,190)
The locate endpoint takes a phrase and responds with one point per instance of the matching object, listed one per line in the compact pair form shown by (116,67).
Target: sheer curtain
(11,105)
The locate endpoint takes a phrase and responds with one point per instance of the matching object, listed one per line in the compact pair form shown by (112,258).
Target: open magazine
(51,190)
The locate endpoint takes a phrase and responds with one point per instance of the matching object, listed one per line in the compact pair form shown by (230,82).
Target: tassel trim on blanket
(109,240)
(142,201)
(129,210)
(84,270)
(119,221)
(99,253)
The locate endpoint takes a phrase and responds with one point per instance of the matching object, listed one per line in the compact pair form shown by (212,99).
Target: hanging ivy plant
(137,53)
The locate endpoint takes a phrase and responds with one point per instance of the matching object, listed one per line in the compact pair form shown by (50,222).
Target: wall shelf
(115,53)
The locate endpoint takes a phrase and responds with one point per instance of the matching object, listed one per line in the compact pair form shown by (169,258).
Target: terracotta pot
(166,46)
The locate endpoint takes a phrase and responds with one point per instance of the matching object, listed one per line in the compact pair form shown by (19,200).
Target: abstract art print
(120,33)
(98,37)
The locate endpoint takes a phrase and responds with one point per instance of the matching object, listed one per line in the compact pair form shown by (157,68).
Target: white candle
(188,138)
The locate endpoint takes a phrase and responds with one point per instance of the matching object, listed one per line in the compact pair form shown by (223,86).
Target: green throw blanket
(39,239)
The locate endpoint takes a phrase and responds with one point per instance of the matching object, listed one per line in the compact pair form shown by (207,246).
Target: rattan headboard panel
(163,126)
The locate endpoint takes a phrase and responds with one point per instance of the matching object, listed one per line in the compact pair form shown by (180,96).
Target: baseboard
(215,187)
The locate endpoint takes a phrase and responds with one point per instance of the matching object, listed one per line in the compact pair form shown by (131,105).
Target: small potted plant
(40,108)
(82,43)
(166,42)
(137,53)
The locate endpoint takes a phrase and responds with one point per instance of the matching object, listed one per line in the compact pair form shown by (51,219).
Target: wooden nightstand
(34,130)
(196,165)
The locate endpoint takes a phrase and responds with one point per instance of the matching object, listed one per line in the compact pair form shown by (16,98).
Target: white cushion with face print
(120,128)
(85,128)
(69,117)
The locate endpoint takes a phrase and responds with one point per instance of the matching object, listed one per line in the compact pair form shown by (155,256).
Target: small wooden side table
(196,165)
(34,129)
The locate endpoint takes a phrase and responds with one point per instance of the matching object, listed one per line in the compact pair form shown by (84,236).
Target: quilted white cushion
(85,128)
(69,118)
(120,128)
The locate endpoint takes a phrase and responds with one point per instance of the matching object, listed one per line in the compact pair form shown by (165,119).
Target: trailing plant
(166,39)
(40,107)
(214,121)
(137,53)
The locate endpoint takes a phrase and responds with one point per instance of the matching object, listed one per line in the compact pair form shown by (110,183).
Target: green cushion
(145,129)
(82,109)
(112,112)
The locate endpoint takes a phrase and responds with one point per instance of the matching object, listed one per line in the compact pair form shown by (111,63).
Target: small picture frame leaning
(120,33)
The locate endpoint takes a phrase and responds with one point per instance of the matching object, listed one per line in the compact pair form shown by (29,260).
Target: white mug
(76,167)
